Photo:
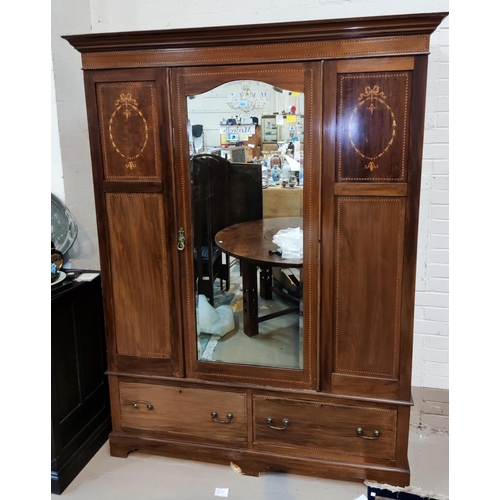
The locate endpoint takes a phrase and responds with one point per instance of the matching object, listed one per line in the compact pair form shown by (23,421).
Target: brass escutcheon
(181,241)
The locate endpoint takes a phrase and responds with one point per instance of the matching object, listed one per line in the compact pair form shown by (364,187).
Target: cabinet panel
(369,242)
(80,419)
(129,130)
(316,428)
(141,281)
(372,124)
(182,412)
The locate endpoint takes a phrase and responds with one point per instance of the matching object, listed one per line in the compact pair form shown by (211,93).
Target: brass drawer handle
(181,241)
(149,406)
(376,434)
(228,421)
(285,422)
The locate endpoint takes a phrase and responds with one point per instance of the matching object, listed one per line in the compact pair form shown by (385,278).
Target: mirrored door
(245,148)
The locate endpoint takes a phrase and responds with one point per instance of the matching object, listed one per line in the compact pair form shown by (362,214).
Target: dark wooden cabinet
(342,410)
(80,421)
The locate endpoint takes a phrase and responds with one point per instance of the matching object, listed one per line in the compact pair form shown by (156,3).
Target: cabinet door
(264,345)
(131,156)
(374,111)
(79,387)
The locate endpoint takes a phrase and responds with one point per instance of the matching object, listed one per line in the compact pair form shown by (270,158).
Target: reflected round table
(251,242)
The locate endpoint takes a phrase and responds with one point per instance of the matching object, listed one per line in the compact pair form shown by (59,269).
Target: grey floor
(148,477)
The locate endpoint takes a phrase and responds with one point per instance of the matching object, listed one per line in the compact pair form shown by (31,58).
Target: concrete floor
(148,477)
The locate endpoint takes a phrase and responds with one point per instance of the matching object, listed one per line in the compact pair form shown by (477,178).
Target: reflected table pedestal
(251,242)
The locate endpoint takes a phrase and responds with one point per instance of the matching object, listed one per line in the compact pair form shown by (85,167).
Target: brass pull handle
(181,240)
(376,434)
(285,422)
(149,406)
(228,421)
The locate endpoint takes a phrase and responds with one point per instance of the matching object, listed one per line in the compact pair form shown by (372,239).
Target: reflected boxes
(282,202)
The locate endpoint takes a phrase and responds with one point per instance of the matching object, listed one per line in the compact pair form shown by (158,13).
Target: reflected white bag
(290,242)
(216,321)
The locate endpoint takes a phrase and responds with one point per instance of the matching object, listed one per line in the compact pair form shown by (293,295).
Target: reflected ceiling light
(247,102)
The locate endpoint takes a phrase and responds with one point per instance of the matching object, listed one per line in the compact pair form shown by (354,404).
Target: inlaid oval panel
(129,130)
(372,126)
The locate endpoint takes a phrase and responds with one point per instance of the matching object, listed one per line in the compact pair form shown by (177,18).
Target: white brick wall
(430,367)
(431,299)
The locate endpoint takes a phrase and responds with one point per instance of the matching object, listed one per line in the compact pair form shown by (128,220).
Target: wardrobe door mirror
(246,141)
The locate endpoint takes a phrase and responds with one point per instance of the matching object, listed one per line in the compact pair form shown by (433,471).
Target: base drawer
(322,429)
(183,412)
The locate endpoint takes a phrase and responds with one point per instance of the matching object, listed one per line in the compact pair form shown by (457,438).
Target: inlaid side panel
(128,125)
(139,274)
(372,126)
(368,272)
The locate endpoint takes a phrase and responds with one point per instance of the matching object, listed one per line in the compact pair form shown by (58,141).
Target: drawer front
(323,429)
(184,412)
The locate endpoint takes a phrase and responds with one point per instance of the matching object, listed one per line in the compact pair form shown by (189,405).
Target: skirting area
(156,477)
(431,408)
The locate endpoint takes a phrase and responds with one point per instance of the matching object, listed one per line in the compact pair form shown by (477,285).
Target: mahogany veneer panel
(373,118)
(369,264)
(129,130)
(141,281)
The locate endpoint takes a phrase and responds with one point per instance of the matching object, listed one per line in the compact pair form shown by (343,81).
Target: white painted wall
(431,348)
(57,183)
(74,152)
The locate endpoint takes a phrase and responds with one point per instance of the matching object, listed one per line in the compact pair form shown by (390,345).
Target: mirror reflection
(246,148)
